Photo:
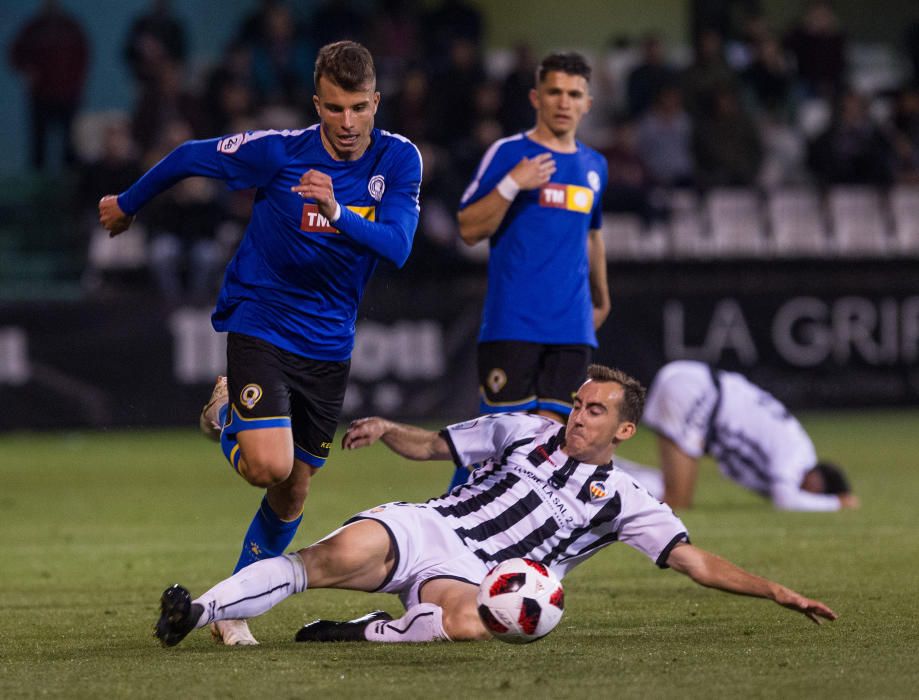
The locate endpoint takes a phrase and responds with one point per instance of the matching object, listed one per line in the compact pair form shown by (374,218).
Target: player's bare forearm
(405,440)
(112,218)
(712,571)
(680,472)
(599,285)
(481,219)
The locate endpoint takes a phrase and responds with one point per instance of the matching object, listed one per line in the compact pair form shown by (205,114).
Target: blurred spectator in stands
(52,53)
(768,80)
(228,95)
(911,42)
(335,20)
(163,100)
(819,47)
(282,61)
(516,110)
(906,136)
(435,247)
(252,27)
(408,108)
(155,39)
(450,20)
(394,39)
(708,73)
(185,259)
(726,143)
(784,153)
(468,152)
(453,91)
(665,140)
(631,187)
(115,170)
(647,78)
(852,150)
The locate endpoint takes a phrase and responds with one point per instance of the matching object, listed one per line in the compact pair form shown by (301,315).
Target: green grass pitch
(94,526)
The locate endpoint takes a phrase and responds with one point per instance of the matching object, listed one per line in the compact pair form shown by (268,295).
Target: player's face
(346,118)
(561,101)
(594,425)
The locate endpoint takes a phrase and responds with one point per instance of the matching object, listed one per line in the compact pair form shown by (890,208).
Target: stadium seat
(904,209)
(796,224)
(626,238)
(858,222)
(735,222)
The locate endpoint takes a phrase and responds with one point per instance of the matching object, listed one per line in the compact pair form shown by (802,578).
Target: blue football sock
(268,536)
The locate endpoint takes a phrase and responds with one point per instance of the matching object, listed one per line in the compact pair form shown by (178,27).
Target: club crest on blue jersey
(376,187)
(250,395)
(598,489)
(593,179)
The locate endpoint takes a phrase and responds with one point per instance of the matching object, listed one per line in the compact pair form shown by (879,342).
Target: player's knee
(264,469)
(464,625)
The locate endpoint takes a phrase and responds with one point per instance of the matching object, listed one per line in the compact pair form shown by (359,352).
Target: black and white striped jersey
(756,442)
(527,498)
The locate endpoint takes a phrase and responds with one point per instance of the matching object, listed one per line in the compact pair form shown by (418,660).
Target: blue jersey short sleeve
(538,283)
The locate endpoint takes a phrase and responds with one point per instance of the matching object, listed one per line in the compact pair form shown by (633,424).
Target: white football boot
(209,421)
(233,633)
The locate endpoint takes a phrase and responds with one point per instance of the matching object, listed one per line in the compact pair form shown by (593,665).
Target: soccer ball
(520,601)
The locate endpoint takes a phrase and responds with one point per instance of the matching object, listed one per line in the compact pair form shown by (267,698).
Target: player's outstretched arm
(710,570)
(112,218)
(405,440)
(481,219)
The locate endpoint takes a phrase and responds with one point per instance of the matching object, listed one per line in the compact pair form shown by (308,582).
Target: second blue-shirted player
(536,197)
(332,200)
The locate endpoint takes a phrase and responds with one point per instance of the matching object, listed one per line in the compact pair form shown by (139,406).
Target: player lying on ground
(544,491)
(697,410)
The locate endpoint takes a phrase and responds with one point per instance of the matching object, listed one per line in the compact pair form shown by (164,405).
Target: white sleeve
(487,436)
(650,527)
(787,496)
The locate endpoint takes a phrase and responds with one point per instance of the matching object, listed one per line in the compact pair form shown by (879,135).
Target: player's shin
(254,590)
(268,536)
(420,623)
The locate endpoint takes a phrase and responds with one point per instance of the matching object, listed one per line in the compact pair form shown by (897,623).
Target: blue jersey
(296,280)
(538,283)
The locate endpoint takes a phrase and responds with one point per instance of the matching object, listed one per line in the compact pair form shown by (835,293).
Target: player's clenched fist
(318,186)
(111,217)
(531,173)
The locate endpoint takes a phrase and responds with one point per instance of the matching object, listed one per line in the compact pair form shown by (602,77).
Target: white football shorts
(426,548)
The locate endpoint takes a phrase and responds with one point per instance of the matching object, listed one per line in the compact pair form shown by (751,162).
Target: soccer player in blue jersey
(332,201)
(536,197)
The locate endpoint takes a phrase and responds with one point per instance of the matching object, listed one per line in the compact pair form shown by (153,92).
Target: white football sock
(253,590)
(649,477)
(420,623)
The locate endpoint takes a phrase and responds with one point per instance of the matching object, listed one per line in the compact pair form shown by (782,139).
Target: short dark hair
(570,62)
(834,478)
(633,393)
(347,64)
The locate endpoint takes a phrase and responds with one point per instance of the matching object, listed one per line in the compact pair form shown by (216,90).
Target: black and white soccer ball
(520,601)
